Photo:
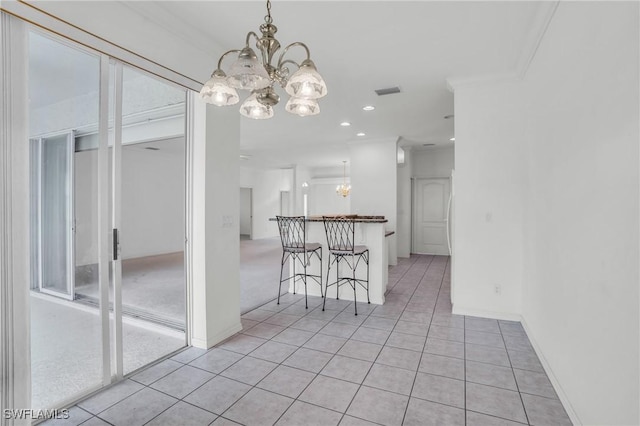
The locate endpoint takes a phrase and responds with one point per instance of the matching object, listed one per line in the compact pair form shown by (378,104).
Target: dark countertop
(357,218)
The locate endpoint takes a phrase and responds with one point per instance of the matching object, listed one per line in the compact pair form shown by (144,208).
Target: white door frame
(250,189)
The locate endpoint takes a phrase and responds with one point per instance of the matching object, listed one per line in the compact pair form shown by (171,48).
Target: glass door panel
(149,216)
(67,352)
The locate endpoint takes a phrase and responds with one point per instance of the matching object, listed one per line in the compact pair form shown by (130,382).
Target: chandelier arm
(249,34)
(286,49)
(288,61)
(225,54)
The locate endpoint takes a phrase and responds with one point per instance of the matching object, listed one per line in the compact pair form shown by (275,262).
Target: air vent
(152,148)
(428,144)
(388,91)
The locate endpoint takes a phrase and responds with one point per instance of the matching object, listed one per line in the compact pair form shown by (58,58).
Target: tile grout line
(387,339)
(332,357)
(415,377)
(513,373)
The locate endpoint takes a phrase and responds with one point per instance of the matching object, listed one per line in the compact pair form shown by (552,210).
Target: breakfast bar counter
(370,232)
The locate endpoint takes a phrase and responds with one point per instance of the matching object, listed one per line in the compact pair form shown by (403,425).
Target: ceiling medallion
(304,86)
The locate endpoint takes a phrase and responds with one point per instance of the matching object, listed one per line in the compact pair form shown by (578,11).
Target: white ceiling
(358,46)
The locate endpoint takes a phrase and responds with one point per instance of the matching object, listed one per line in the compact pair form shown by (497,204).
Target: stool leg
(280,285)
(353,270)
(326,287)
(320,260)
(367,259)
(293,256)
(304,278)
(337,277)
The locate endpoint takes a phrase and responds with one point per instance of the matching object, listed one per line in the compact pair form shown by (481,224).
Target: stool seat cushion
(307,247)
(356,250)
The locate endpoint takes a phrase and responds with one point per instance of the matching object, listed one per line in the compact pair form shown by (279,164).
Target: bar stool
(293,234)
(340,237)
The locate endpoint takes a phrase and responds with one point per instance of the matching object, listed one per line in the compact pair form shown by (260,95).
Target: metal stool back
(293,235)
(340,234)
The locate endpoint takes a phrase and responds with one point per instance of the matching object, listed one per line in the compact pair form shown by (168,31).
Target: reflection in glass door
(52,191)
(66,336)
(148,179)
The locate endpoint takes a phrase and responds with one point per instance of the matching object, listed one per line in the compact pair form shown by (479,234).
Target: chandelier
(304,86)
(344,189)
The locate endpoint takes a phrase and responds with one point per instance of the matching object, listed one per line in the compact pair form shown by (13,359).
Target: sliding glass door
(148,179)
(107,170)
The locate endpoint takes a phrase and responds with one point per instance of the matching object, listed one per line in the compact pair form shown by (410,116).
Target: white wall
(323,199)
(245,211)
(266,185)
(433,162)
(86,207)
(547,205)
(302,175)
(403,231)
(581,277)
(374,183)
(216,247)
(153,187)
(153,190)
(490,183)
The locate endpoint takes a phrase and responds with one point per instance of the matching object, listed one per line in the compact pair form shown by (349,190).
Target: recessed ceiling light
(244,157)
(452,139)
(361,134)
(368,108)
(345,124)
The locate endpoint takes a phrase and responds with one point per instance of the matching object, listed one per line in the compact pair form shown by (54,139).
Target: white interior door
(284,203)
(430,209)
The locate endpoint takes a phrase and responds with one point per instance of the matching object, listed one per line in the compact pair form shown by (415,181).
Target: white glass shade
(217,91)
(251,108)
(247,72)
(306,82)
(302,107)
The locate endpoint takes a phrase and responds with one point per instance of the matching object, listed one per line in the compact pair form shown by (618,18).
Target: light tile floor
(408,362)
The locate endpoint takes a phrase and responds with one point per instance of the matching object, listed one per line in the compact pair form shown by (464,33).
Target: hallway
(407,362)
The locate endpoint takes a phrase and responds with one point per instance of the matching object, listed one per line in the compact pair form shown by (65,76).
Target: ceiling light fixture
(344,189)
(345,124)
(304,86)
(452,139)
(368,108)
(361,134)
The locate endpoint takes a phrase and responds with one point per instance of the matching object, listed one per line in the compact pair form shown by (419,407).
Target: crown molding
(157,14)
(537,30)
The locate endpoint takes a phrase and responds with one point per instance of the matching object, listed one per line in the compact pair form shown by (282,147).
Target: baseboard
(219,337)
(564,399)
(545,364)
(473,312)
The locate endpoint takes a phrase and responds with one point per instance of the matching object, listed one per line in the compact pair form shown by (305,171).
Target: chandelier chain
(268,18)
